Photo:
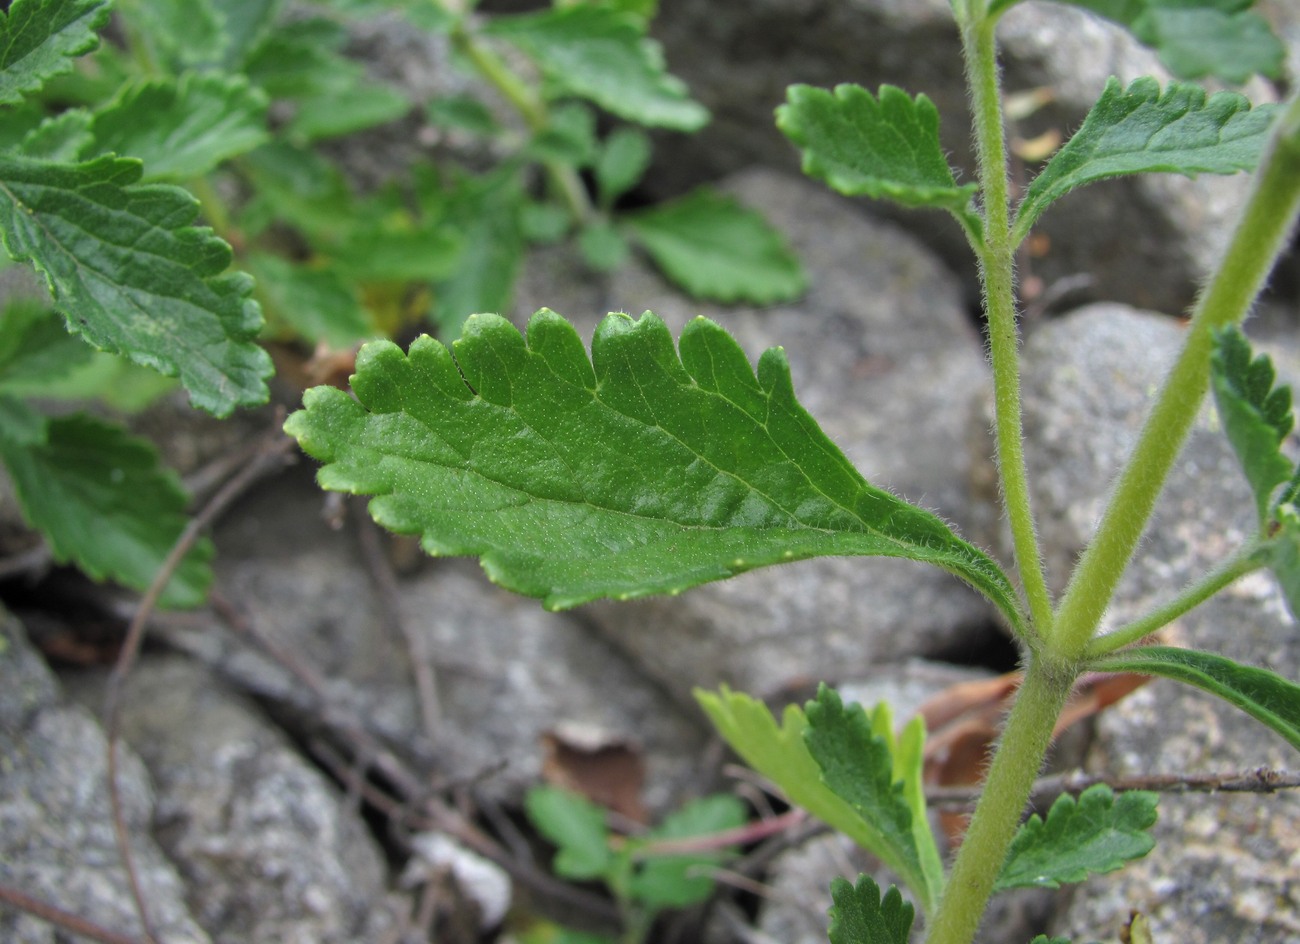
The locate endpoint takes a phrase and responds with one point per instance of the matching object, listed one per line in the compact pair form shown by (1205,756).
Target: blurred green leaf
(624,157)
(576,827)
(316,303)
(679,881)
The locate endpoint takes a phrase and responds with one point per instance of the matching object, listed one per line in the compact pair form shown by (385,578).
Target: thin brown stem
(61,918)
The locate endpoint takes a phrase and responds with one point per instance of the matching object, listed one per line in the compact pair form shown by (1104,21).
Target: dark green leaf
(40,38)
(641,473)
(860,915)
(131,274)
(886,148)
(1195,39)
(857,760)
(679,881)
(1256,415)
(103,502)
(183,129)
(35,344)
(1265,696)
(576,827)
(1142,130)
(604,55)
(1096,834)
(716,249)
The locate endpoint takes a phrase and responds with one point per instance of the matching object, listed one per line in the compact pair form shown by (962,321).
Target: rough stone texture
(56,832)
(270,852)
(508,671)
(1224,868)
(883,356)
(1146,241)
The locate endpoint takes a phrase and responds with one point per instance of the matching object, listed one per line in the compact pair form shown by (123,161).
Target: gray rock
(56,831)
(1225,867)
(269,850)
(1146,241)
(884,357)
(508,672)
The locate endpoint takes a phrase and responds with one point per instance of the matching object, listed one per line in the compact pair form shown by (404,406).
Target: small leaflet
(860,915)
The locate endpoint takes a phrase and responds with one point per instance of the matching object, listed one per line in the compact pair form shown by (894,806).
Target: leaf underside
(1265,696)
(886,148)
(1141,130)
(1097,833)
(860,915)
(1256,414)
(635,472)
(132,276)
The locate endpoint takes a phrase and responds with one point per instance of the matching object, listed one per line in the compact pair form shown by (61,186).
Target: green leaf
(604,55)
(716,249)
(1096,834)
(679,881)
(1196,39)
(603,246)
(131,274)
(859,762)
(623,160)
(1044,939)
(316,303)
(569,136)
(341,111)
(641,473)
(487,215)
(103,502)
(1141,130)
(181,33)
(886,148)
(301,60)
(463,113)
(184,128)
(20,425)
(781,755)
(35,345)
(65,138)
(245,23)
(40,38)
(1256,415)
(1265,696)
(576,827)
(860,915)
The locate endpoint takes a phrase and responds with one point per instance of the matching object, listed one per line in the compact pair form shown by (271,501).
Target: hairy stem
(1260,237)
(997,260)
(1005,791)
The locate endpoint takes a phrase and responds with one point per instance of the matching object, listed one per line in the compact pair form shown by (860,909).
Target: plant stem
(531,108)
(1260,237)
(1003,796)
(997,259)
(1240,564)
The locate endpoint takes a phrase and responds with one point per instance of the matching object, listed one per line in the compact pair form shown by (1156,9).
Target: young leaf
(859,761)
(1256,415)
(1265,696)
(781,755)
(1142,130)
(132,275)
(886,148)
(634,472)
(716,249)
(602,245)
(679,881)
(860,915)
(1096,834)
(183,129)
(314,301)
(576,827)
(1195,39)
(40,38)
(623,159)
(104,502)
(603,55)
